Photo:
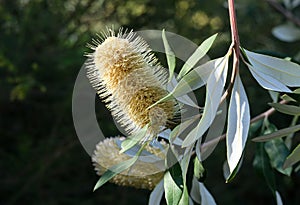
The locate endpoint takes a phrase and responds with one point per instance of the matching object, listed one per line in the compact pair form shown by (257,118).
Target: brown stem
(235,47)
(286,13)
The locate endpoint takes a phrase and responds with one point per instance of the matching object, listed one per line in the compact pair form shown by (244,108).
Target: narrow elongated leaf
(195,191)
(197,55)
(172,191)
(184,197)
(132,140)
(286,109)
(278,152)
(293,158)
(286,32)
(206,197)
(266,81)
(214,90)
(262,164)
(171,59)
(200,194)
(277,134)
(238,124)
(278,198)
(192,81)
(114,170)
(199,171)
(284,71)
(156,194)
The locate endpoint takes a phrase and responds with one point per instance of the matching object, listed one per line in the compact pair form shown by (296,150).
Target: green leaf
(196,78)
(214,90)
(286,109)
(185,196)
(262,164)
(293,158)
(277,134)
(192,81)
(132,140)
(238,124)
(171,59)
(114,170)
(156,194)
(197,55)
(199,171)
(284,71)
(274,95)
(173,192)
(278,152)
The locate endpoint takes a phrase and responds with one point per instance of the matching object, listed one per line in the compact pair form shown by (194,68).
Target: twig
(235,47)
(286,13)
(263,115)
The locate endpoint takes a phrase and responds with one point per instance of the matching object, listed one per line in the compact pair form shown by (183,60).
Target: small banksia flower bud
(129,79)
(142,175)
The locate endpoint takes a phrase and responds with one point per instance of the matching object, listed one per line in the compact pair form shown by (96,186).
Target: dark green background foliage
(42,43)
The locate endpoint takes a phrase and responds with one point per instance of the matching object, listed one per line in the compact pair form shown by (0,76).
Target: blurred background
(42,47)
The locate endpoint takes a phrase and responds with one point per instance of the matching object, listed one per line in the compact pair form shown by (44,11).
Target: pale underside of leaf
(156,194)
(238,124)
(283,70)
(266,81)
(214,90)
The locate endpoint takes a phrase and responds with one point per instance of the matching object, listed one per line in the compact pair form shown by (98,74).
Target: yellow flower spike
(142,175)
(128,77)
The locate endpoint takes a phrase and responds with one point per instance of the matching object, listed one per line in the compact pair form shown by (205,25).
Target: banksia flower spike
(129,79)
(142,175)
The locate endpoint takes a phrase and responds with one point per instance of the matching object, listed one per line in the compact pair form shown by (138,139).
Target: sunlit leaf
(192,81)
(156,194)
(293,158)
(238,124)
(286,109)
(278,198)
(114,170)
(230,175)
(195,191)
(278,152)
(206,197)
(171,59)
(200,194)
(266,81)
(197,55)
(199,171)
(132,140)
(274,95)
(286,32)
(214,90)
(286,72)
(172,182)
(277,134)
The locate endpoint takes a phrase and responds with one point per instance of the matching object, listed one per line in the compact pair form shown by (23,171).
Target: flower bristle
(129,79)
(142,175)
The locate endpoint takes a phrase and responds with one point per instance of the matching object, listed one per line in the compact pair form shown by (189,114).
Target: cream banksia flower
(129,79)
(142,175)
